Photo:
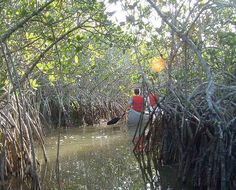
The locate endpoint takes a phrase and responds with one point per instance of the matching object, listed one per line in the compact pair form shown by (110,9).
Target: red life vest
(153,100)
(137,103)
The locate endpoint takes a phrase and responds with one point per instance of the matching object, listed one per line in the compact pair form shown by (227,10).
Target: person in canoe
(152,101)
(136,106)
(137,101)
(136,109)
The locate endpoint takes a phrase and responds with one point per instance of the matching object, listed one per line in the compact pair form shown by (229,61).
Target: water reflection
(92,159)
(157,177)
(98,159)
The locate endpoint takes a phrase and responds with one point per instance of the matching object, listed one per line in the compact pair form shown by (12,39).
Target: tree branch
(210,88)
(19,24)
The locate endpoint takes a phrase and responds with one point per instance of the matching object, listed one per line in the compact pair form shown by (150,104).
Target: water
(90,159)
(98,158)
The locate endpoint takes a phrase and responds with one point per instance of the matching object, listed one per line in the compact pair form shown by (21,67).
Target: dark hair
(136,91)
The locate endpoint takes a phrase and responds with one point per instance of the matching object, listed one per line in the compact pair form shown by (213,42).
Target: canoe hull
(135,117)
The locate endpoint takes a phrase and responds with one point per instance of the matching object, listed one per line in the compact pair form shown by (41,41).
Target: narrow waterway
(91,158)
(95,158)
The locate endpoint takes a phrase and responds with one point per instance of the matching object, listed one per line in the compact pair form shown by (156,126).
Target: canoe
(135,117)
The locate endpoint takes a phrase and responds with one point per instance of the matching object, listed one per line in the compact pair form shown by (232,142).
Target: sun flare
(158,64)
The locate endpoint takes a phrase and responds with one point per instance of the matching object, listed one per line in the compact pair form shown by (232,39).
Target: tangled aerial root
(202,143)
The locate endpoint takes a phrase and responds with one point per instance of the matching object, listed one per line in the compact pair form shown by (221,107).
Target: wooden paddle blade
(113,121)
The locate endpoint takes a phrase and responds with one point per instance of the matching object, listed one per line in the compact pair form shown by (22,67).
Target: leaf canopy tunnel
(70,63)
(78,46)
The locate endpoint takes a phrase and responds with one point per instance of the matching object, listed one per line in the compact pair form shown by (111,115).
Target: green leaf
(34,84)
(51,78)
(76,59)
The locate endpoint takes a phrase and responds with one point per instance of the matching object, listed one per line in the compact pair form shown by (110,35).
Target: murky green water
(96,159)
(91,158)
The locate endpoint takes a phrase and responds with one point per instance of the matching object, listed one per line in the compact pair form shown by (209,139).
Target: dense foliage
(66,63)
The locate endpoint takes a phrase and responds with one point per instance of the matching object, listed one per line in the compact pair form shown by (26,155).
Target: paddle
(115,120)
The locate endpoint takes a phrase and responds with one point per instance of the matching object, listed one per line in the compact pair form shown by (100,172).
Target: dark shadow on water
(158,177)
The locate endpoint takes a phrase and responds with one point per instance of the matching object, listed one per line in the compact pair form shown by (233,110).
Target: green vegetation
(66,63)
